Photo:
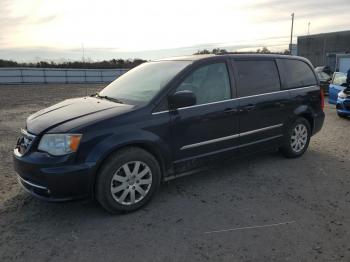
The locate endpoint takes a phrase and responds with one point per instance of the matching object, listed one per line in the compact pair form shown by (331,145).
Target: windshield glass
(141,84)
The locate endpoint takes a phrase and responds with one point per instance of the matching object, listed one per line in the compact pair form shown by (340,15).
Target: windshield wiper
(113,99)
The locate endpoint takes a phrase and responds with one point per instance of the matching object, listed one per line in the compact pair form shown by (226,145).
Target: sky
(60,30)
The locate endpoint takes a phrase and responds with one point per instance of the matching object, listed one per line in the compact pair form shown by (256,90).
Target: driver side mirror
(181,99)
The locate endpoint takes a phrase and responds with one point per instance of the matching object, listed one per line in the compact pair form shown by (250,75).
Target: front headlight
(342,95)
(59,144)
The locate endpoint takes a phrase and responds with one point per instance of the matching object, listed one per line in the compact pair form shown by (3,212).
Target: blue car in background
(339,94)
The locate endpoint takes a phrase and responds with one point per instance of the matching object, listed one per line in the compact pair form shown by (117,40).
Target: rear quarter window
(296,73)
(256,77)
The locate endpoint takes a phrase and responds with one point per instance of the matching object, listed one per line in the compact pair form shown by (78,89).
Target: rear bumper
(318,122)
(54,183)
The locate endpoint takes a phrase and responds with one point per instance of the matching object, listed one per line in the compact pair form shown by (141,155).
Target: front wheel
(297,139)
(127,180)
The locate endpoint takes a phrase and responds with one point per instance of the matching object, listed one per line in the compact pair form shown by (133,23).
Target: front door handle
(248,107)
(231,110)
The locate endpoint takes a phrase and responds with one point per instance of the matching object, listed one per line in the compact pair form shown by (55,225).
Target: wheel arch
(309,118)
(305,112)
(150,147)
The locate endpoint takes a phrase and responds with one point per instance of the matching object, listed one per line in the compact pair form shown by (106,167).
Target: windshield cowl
(113,99)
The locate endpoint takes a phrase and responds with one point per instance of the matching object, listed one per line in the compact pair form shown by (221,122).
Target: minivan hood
(70,110)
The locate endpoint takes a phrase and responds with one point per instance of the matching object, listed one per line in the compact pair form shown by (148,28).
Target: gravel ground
(262,208)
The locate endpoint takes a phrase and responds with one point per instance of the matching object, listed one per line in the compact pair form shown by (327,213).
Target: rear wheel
(127,180)
(297,139)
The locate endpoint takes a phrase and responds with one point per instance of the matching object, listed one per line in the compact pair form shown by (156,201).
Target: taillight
(322,99)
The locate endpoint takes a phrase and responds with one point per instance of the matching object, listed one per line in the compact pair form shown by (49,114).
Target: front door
(211,126)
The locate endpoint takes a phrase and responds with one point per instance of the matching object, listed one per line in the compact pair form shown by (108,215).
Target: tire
(296,147)
(122,188)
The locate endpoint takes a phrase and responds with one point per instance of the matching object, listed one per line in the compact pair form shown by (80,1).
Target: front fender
(143,138)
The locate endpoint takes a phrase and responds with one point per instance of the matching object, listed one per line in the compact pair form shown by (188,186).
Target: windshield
(141,84)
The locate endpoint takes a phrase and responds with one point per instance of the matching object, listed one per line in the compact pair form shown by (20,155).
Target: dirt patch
(17,102)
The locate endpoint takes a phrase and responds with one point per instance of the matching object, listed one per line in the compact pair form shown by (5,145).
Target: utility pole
(83,49)
(308,28)
(291,35)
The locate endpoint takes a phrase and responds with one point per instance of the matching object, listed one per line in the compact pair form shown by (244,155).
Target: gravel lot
(275,209)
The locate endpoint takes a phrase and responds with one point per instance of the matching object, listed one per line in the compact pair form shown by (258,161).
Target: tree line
(119,63)
(219,51)
(105,64)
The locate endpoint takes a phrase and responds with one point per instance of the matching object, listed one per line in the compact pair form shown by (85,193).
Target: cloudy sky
(61,29)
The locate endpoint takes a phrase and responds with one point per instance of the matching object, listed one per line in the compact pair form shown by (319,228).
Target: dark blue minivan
(164,119)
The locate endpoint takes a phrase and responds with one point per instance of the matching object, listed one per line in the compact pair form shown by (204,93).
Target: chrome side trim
(210,141)
(228,148)
(160,112)
(182,108)
(238,98)
(230,137)
(211,103)
(23,181)
(259,130)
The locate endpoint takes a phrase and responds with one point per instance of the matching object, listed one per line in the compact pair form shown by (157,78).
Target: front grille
(24,142)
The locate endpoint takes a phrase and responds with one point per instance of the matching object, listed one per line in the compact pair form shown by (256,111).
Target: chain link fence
(58,75)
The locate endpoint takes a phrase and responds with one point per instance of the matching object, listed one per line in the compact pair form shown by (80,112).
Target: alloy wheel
(299,138)
(131,182)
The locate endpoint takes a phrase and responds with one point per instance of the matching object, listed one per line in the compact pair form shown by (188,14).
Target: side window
(296,73)
(257,77)
(209,83)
